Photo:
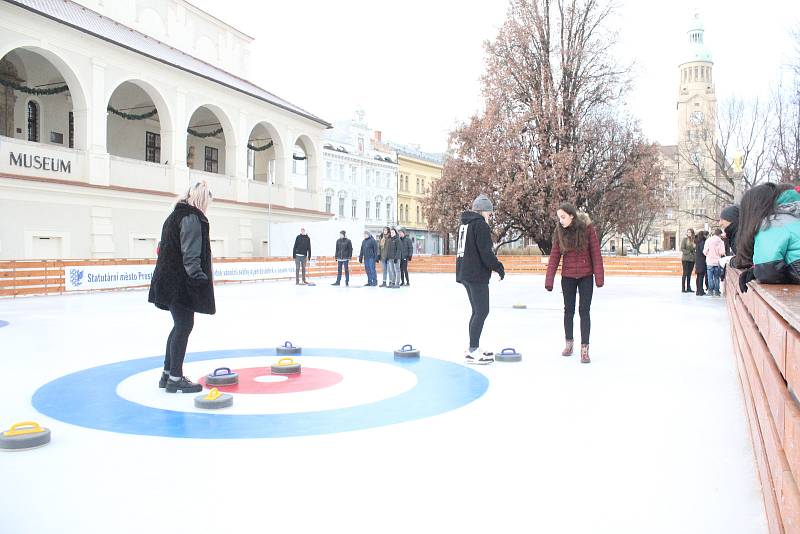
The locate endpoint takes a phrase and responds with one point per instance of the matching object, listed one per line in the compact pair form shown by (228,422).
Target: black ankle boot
(184,385)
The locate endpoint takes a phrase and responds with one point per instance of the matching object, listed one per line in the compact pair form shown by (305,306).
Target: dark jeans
(479,300)
(701,277)
(178,339)
(714,273)
(346,271)
(571,287)
(372,274)
(404,271)
(686,279)
(299,264)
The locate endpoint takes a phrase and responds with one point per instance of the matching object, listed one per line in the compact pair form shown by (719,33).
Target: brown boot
(585,354)
(568,349)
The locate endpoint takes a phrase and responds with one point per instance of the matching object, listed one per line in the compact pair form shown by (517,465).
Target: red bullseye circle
(310,379)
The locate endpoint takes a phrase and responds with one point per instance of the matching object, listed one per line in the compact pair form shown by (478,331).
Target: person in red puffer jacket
(576,241)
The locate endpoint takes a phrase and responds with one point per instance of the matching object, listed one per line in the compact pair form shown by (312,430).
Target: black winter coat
(302,246)
(476,260)
(369,249)
(699,257)
(182,245)
(406,248)
(393,249)
(344,249)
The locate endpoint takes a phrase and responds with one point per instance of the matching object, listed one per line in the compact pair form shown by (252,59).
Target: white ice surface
(649,438)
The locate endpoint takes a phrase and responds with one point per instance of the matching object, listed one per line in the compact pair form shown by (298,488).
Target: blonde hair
(198,195)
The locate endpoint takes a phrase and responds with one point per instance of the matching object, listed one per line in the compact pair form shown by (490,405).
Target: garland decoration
(260,149)
(131,116)
(299,158)
(204,135)
(34,90)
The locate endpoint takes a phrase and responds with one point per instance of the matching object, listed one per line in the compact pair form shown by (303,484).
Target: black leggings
(570,287)
(686,279)
(404,271)
(479,300)
(178,339)
(701,277)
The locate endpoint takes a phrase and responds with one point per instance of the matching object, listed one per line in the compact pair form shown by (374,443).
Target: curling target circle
(122,397)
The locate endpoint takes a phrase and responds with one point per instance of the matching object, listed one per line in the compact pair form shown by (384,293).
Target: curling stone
(222,376)
(406,351)
(508,355)
(287,349)
(520,306)
(214,400)
(285,366)
(24,436)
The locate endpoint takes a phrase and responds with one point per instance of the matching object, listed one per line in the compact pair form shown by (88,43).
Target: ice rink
(650,437)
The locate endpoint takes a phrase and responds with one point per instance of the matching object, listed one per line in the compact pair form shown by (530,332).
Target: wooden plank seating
(766,343)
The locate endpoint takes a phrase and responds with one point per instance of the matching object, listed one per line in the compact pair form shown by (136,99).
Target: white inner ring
(271,378)
(364,382)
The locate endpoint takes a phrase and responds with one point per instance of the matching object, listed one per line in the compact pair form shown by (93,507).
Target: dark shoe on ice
(383,284)
(479,357)
(335,284)
(163,382)
(184,385)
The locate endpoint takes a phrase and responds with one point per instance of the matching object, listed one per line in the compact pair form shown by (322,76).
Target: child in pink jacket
(714,250)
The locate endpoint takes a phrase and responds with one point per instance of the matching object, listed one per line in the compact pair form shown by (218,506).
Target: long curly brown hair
(573,237)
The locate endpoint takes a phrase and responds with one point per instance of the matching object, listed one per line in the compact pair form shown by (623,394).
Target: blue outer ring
(88,398)
(3,323)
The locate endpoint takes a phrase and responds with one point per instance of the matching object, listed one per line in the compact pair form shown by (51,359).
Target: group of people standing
(393,250)
(765,245)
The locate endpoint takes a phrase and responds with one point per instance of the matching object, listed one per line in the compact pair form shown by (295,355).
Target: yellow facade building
(417,171)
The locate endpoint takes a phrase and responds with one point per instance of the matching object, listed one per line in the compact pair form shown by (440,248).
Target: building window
(212,160)
(366,211)
(328,170)
(57,138)
(251,164)
(355,207)
(328,202)
(423,185)
(341,171)
(353,173)
(341,206)
(377,210)
(388,213)
(417,214)
(33,121)
(417,185)
(71,128)
(152,148)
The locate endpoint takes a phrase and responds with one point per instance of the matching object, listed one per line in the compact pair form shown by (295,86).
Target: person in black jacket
(344,251)
(182,281)
(474,265)
(700,262)
(369,255)
(406,253)
(301,253)
(393,257)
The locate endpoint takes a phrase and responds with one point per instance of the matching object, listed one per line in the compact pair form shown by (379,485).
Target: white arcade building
(108,110)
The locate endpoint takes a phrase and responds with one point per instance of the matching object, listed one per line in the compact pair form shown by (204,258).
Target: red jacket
(577,263)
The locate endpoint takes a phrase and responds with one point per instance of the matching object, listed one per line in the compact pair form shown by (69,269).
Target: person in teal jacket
(769,245)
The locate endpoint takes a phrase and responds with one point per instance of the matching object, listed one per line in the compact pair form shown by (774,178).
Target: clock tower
(697,102)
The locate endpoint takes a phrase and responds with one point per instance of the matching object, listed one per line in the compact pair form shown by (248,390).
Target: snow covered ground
(650,437)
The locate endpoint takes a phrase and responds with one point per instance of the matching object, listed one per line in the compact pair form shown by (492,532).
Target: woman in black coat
(183,281)
(700,262)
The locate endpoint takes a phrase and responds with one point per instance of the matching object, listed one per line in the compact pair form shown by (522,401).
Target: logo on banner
(76,277)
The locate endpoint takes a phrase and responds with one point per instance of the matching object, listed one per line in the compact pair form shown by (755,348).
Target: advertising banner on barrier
(253,270)
(91,277)
(87,278)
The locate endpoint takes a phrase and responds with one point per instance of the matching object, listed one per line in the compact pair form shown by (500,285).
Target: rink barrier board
(766,344)
(42,277)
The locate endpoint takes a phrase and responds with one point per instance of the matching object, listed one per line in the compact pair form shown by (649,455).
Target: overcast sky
(415,66)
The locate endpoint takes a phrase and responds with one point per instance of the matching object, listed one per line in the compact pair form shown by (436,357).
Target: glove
(501,271)
(745,277)
(359,260)
(549,288)
(198,282)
